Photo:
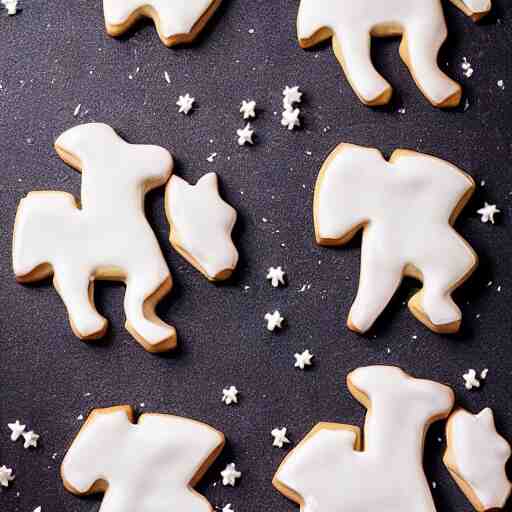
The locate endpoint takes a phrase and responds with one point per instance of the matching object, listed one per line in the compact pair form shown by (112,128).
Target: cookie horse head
(201,224)
(351,24)
(406,208)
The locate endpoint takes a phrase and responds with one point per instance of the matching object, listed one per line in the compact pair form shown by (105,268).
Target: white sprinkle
(211,157)
(77,110)
(470,380)
(501,84)
(484,373)
(167,77)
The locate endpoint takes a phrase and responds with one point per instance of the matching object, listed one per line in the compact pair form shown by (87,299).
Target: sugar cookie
(406,208)
(476,456)
(106,236)
(176,21)
(150,465)
(351,25)
(328,470)
(201,225)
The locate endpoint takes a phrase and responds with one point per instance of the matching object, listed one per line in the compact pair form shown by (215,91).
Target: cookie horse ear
(475,9)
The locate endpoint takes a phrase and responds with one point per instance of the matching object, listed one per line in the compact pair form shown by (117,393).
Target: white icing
(176,17)
(479,455)
(329,475)
(353,22)
(107,235)
(405,207)
(201,224)
(147,466)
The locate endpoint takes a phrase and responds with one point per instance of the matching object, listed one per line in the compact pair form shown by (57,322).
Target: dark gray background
(54,55)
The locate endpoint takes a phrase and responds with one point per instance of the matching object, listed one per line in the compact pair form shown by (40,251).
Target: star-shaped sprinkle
(185,103)
(6,476)
(290,118)
(31,439)
(291,95)
(230,395)
(227,508)
(11,6)
(279,435)
(303,360)
(17,430)
(245,135)
(488,212)
(248,109)
(470,380)
(274,320)
(276,275)
(230,475)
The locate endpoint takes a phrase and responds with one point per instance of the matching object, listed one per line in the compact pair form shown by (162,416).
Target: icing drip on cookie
(327,471)
(406,207)
(476,456)
(201,225)
(352,24)
(151,465)
(107,237)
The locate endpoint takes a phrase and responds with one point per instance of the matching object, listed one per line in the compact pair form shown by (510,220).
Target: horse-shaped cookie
(150,466)
(176,21)
(201,225)
(105,236)
(351,24)
(329,471)
(406,208)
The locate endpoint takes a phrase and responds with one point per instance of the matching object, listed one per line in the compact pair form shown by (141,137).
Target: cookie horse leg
(353,51)
(76,291)
(143,292)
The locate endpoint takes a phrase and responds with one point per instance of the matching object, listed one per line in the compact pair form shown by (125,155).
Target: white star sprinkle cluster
(304,359)
(276,276)
(245,135)
(230,395)
(488,212)
(290,118)
(230,475)
(248,109)
(279,435)
(185,103)
(6,476)
(274,320)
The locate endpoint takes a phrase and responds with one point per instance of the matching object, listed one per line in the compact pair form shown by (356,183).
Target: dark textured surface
(55,55)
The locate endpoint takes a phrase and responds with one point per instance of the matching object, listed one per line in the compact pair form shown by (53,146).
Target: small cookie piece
(351,25)
(201,223)
(176,21)
(476,456)
(106,236)
(149,465)
(406,208)
(328,471)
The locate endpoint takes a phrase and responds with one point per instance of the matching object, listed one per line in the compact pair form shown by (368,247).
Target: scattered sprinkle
(467,68)
(470,380)
(484,373)
(290,118)
(230,395)
(212,157)
(303,360)
(31,439)
(291,95)
(17,430)
(248,109)
(11,6)
(230,475)
(227,508)
(276,275)
(6,476)
(274,320)
(501,84)
(185,103)
(488,212)
(245,135)
(279,435)
(77,110)
(167,77)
